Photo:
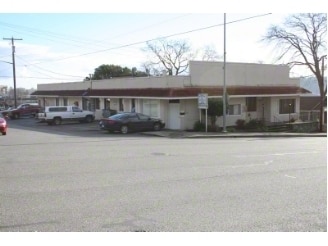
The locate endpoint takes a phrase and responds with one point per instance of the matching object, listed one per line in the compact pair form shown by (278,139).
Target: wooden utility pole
(14,72)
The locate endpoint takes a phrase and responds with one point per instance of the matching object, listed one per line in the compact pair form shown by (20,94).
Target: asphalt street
(68,179)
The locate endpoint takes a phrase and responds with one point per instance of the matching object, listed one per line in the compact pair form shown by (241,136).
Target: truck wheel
(124,129)
(57,120)
(88,119)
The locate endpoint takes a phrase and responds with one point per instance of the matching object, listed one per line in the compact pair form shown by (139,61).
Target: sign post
(203,104)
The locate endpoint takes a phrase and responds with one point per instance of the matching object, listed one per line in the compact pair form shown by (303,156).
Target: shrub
(254,124)
(199,126)
(240,124)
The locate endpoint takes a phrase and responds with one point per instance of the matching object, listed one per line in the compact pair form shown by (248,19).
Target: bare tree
(303,37)
(170,55)
(208,53)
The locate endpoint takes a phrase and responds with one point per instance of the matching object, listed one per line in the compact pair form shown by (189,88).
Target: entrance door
(174,116)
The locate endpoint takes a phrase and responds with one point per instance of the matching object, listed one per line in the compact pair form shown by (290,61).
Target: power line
(49,70)
(68,38)
(145,41)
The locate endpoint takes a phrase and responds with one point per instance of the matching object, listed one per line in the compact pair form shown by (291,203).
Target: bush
(254,124)
(199,126)
(240,124)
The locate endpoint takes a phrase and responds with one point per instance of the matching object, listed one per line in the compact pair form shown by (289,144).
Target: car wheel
(57,121)
(4,133)
(88,118)
(157,127)
(124,129)
(16,116)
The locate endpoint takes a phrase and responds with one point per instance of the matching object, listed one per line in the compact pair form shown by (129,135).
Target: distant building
(3,90)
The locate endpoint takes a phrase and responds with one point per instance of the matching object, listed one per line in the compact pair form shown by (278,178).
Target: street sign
(202,101)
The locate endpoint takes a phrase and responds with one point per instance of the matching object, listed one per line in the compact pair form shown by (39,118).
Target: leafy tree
(303,37)
(171,56)
(215,109)
(112,71)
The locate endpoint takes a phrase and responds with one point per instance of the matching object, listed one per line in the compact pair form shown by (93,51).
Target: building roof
(185,92)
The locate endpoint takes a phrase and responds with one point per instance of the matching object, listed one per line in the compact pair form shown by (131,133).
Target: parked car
(26,109)
(54,115)
(3,124)
(131,122)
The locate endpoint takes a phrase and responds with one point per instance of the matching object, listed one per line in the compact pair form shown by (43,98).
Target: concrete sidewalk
(187,134)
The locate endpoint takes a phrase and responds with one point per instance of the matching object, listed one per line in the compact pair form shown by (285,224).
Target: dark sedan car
(131,122)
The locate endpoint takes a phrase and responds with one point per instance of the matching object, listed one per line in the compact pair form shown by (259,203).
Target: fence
(306,116)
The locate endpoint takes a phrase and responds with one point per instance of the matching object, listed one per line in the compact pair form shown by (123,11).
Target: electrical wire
(112,48)
(149,40)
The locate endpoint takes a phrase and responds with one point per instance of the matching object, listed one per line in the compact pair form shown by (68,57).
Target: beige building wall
(202,73)
(121,83)
(246,74)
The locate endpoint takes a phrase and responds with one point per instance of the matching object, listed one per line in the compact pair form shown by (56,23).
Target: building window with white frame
(235,109)
(286,106)
(151,107)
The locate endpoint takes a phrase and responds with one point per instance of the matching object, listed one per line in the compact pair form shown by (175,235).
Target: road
(69,178)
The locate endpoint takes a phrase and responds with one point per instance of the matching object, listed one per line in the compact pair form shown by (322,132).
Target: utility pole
(14,72)
(224,77)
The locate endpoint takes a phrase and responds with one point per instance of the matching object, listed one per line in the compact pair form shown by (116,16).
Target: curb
(245,135)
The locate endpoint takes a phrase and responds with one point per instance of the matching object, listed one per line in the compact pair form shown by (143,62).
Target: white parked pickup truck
(55,115)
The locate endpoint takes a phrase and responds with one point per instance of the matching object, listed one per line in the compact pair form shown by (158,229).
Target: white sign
(202,101)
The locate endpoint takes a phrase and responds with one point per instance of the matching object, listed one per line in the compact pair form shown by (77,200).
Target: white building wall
(189,113)
(276,117)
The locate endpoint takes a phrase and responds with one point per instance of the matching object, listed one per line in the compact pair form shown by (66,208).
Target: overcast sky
(66,43)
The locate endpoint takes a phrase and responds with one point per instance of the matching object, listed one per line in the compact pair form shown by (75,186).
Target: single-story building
(255,91)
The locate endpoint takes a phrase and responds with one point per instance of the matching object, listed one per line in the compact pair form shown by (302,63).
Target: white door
(174,116)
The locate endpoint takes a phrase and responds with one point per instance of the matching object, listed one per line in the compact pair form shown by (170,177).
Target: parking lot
(66,128)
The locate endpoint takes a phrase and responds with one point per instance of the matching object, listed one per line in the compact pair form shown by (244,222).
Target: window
(143,117)
(121,107)
(65,101)
(151,107)
(235,109)
(286,106)
(57,101)
(94,104)
(58,109)
(76,109)
(107,103)
(251,104)
(133,105)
